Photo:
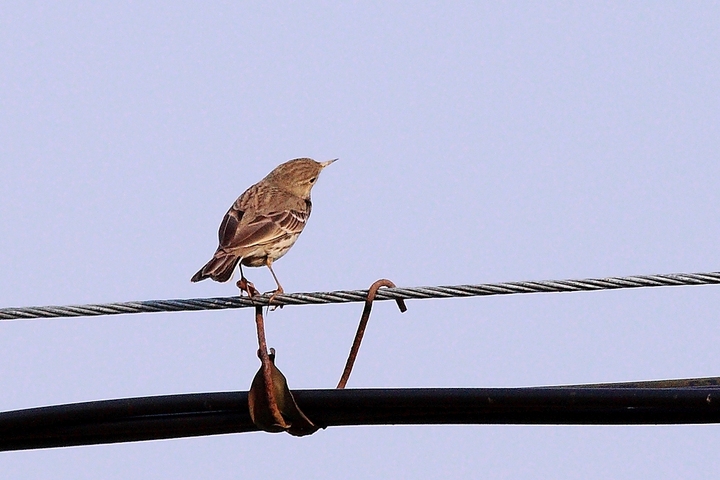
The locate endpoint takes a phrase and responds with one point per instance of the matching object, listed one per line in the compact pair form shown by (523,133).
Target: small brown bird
(264,222)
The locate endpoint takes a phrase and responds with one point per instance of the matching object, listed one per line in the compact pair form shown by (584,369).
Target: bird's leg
(245,286)
(279,290)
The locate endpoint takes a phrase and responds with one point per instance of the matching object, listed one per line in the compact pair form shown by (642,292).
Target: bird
(264,223)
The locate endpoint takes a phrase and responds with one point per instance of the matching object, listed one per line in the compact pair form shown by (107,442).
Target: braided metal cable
(345,296)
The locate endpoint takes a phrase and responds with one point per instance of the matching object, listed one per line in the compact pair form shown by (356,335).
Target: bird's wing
(262,229)
(229,225)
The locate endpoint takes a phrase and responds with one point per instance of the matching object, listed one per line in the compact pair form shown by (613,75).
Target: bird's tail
(220,268)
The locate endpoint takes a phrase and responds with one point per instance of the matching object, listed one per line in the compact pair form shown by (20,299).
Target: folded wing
(262,230)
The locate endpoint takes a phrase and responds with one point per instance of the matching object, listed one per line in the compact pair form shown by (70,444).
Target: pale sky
(491,143)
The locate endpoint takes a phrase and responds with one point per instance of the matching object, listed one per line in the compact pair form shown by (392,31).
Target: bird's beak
(325,164)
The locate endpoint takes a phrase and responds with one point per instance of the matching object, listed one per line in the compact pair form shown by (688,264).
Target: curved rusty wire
(372,291)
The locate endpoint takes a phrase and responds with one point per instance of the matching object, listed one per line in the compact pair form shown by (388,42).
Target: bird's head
(297,176)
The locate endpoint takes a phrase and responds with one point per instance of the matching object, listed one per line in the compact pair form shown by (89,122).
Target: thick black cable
(345,296)
(693,401)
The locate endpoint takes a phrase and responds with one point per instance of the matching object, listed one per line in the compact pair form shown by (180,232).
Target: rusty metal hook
(277,423)
(372,291)
(271,403)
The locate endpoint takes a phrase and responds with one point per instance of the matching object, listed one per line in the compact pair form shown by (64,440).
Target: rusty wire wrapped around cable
(346,296)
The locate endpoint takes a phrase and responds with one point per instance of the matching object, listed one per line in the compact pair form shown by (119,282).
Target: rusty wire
(269,389)
(372,292)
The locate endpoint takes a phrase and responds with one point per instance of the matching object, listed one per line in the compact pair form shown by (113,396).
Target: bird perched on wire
(264,222)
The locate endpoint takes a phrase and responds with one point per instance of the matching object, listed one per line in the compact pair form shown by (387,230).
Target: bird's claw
(277,292)
(247,287)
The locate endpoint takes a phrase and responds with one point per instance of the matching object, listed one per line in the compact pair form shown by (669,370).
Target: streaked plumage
(265,221)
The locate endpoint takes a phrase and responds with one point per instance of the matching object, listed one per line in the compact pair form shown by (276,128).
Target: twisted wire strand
(346,296)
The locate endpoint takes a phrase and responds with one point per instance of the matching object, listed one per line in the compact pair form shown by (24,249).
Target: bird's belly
(256,261)
(258,255)
(279,248)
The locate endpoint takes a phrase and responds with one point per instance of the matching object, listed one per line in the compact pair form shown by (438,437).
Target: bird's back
(263,222)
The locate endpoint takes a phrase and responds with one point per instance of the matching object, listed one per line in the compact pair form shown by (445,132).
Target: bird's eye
(312,180)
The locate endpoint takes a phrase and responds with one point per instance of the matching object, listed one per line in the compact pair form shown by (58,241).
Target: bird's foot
(247,287)
(277,292)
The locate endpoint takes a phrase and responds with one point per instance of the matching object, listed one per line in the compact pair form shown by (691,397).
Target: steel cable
(346,296)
